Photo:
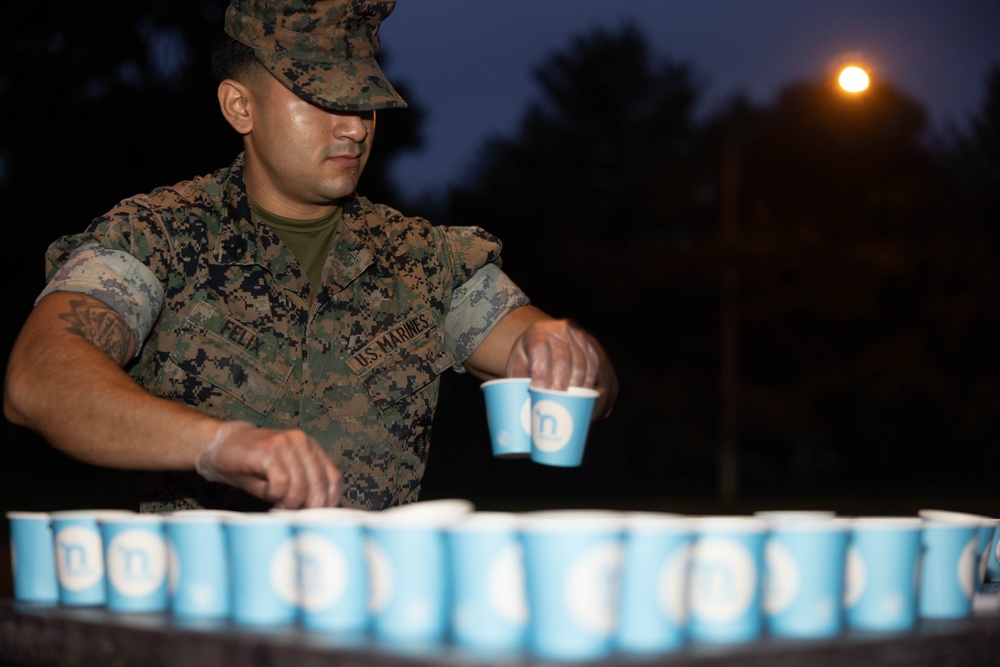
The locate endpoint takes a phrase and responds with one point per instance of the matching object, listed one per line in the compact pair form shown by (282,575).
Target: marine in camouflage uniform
(237,333)
(226,319)
(287,349)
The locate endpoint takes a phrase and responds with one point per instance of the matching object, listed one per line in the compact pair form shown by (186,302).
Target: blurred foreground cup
(804,566)
(993,557)
(333,570)
(652,615)
(987,527)
(560,421)
(508,415)
(725,598)
(79,556)
(135,556)
(199,564)
(407,561)
(263,568)
(32,557)
(490,611)
(572,564)
(883,573)
(949,565)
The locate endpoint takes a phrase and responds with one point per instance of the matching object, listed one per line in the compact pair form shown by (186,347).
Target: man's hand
(557,354)
(284,467)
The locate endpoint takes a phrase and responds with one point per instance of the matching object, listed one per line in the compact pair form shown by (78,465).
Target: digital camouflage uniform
(240,336)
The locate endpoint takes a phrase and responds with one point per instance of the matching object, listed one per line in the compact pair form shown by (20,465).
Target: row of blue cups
(558,584)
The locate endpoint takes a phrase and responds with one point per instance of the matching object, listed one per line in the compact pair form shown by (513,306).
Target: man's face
(301,157)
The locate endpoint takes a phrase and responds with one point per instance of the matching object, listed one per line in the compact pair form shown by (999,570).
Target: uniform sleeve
(115,278)
(482,293)
(476,306)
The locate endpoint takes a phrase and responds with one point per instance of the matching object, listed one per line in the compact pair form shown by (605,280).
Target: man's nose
(351,126)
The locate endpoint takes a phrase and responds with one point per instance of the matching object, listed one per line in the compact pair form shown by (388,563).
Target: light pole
(853,79)
(729,322)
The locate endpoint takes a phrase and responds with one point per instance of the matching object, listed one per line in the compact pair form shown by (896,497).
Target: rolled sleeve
(476,306)
(118,280)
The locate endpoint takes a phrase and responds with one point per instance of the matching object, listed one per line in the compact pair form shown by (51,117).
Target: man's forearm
(77,397)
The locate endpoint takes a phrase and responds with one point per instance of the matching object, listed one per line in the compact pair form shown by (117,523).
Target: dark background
(847,261)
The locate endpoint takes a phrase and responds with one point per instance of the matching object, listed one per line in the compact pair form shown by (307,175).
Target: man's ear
(234,101)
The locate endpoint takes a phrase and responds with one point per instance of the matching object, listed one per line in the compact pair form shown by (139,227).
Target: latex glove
(286,467)
(557,354)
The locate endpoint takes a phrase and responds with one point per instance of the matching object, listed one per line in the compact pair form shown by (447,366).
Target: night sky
(470,64)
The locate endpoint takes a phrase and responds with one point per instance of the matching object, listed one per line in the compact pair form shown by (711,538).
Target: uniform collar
(358,241)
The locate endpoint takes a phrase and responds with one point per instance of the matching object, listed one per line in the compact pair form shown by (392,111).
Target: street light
(853,79)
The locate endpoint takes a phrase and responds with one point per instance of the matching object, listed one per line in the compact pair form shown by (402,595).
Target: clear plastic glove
(557,354)
(285,467)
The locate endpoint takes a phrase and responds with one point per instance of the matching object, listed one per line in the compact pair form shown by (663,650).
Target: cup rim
(328,516)
(573,520)
(653,520)
(197,515)
(423,514)
(96,514)
(795,515)
(819,525)
(741,523)
(954,517)
(135,517)
(883,522)
(570,392)
(486,521)
(495,381)
(252,518)
(29,515)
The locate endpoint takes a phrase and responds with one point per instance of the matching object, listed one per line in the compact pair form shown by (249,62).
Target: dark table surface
(71,637)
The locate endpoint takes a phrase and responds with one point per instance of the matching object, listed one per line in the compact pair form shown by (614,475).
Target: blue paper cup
(508,415)
(560,421)
(949,565)
(333,570)
(804,573)
(263,568)
(407,560)
(135,558)
(489,612)
(987,529)
(652,611)
(79,556)
(725,599)
(883,573)
(572,573)
(198,583)
(32,557)
(984,537)
(993,557)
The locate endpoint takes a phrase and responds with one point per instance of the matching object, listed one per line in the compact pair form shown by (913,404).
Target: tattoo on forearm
(101,326)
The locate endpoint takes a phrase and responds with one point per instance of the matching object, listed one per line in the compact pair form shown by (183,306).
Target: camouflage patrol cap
(321,50)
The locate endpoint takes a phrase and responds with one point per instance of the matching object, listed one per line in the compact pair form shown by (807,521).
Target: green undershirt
(309,240)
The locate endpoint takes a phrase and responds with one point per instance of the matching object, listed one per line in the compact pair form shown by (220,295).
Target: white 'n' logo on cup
(967,567)
(322,572)
(382,578)
(137,562)
(78,557)
(505,581)
(855,577)
(671,587)
(783,578)
(724,579)
(283,573)
(552,426)
(592,587)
